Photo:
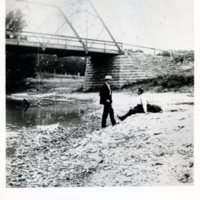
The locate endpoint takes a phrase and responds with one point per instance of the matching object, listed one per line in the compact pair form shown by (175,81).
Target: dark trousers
(136,109)
(108,110)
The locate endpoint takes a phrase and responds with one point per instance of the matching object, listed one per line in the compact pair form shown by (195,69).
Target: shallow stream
(65,113)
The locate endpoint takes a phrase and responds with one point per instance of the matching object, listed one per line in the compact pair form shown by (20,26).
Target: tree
(18,66)
(15,23)
(52,64)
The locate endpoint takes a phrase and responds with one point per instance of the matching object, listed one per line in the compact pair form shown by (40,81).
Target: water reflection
(65,113)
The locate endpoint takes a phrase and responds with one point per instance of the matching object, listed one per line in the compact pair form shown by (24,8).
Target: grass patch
(166,83)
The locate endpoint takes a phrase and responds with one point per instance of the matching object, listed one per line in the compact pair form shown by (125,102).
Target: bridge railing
(65,41)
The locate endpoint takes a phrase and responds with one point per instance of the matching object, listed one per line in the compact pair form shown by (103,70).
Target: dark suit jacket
(105,94)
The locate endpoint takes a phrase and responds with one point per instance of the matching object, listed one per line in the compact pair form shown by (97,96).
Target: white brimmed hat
(108,77)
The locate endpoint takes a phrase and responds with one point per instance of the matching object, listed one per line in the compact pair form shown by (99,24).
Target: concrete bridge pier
(124,69)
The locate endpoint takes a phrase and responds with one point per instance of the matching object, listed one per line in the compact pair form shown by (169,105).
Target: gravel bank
(151,149)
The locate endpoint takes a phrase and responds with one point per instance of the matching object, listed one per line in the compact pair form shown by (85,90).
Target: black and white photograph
(99,93)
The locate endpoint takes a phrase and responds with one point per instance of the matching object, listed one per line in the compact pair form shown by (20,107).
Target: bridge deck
(28,42)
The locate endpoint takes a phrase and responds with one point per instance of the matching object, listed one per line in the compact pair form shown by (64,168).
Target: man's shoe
(121,118)
(116,123)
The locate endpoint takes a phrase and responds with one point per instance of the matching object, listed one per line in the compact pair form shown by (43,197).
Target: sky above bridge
(162,24)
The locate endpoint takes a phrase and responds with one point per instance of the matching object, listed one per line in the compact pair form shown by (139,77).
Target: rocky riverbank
(151,149)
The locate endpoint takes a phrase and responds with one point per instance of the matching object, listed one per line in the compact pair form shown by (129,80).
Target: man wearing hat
(106,100)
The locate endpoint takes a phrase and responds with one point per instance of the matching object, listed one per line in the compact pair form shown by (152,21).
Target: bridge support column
(124,69)
(97,67)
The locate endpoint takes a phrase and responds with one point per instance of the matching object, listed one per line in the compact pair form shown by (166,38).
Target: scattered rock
(186,178)
(10,152)
(156,164)
(191,164)
(157,133)
(159,154)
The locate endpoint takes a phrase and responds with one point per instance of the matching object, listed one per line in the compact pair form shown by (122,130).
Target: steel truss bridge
(32,42)
(62,45)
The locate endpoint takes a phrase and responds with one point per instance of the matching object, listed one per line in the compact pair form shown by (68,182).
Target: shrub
(166,54)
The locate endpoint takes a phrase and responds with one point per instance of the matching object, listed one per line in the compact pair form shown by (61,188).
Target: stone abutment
(124,69)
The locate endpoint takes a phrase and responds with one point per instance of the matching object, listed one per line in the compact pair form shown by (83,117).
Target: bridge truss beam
(65,17)
(96,12)
(72,27)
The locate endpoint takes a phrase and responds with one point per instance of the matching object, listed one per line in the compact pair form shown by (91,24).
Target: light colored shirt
(142,101)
